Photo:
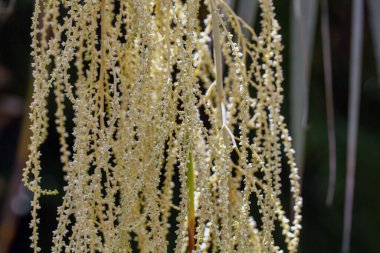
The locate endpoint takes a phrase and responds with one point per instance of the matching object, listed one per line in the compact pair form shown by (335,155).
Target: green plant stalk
(191,207)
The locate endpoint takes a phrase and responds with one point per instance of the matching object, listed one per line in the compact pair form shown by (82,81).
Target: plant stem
(218,58)
(219,71)
(191,206)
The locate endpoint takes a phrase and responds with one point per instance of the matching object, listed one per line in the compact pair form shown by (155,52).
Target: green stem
(191,206)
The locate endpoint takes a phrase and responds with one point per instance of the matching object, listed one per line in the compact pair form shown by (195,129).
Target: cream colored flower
(163,102)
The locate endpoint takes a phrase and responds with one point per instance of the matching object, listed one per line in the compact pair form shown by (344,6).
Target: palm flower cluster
(177,127)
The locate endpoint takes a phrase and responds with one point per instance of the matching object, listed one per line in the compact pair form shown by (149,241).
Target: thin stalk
(326,48)
(303,20)
(191,206)
(217,55)
(353,117)
(219,71)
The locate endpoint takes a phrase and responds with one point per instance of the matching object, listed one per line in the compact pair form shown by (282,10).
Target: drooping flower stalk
(166,124)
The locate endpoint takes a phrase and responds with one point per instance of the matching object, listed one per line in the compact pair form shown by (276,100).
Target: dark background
(322,225)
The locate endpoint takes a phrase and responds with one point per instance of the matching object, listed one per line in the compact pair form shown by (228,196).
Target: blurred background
(332,105)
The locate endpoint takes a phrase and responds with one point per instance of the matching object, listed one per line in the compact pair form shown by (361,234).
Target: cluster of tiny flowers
(174,117)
